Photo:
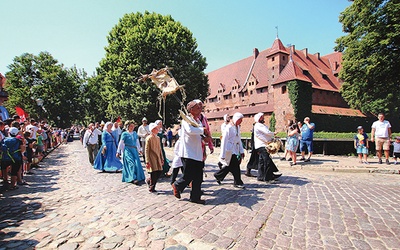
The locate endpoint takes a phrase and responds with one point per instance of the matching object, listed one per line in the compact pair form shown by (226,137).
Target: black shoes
(201,202)
(277,175)
(239,186)
(249,175)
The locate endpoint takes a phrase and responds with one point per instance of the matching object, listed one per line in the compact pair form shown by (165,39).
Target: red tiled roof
(227,75)
(314,69)
(325,110)
(291,72)
(319,70)
(277,46)
(265,108)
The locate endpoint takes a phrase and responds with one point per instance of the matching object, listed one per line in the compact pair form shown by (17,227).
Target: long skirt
(266,167)
(132,167)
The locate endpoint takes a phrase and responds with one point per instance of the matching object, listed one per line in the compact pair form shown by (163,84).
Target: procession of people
(117,147)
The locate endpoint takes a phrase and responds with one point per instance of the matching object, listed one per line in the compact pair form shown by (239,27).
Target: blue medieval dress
(107,161)
(132,168)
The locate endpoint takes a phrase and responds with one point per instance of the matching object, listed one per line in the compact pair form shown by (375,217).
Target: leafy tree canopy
(371,52)
(138,44)
(34,77)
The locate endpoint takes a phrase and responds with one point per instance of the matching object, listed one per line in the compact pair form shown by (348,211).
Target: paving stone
(69,246)
(178,247)
(305,209)
(95,239)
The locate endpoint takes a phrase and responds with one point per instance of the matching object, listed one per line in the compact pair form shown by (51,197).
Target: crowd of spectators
(23,145)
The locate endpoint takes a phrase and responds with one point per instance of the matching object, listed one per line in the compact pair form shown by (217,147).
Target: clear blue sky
(75,31)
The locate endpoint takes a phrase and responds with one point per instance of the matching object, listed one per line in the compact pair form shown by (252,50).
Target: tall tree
(371,53)
(34,79)
(138,44)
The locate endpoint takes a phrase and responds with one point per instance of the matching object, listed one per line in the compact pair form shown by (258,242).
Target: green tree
(94,104)
(272,122)
(32,78)
(371,52)
(138,44)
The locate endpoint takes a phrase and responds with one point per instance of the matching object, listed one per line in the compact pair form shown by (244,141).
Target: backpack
(10,148)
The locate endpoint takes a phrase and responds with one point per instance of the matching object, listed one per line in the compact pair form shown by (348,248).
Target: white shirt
(223,126)
(143,132)
(177,161)
(33,130)
(396,147)
(190,145)
(261,135)
(381,129)
(231,141)
(91,137)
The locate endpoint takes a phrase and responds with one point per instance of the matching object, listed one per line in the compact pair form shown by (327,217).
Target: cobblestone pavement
(68,205)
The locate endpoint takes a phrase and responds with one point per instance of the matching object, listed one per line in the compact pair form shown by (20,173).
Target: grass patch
(320,135)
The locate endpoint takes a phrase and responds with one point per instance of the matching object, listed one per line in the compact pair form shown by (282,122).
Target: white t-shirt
(381,129)
(33,130)
(396,147)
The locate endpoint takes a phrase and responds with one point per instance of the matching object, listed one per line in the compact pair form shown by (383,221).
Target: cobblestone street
(69,205)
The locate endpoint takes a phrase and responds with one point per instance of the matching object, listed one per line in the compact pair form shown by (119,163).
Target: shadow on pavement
(15,206)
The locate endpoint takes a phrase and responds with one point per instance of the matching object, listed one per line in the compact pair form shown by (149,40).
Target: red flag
(118,119)
(21,113)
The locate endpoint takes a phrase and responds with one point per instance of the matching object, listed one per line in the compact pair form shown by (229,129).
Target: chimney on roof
(305,52)
(292,51)
(255,52)
(318,55)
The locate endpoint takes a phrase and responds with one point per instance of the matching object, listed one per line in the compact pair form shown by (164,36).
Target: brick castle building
(283,81)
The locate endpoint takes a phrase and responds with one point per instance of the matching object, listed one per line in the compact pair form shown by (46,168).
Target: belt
(129,146)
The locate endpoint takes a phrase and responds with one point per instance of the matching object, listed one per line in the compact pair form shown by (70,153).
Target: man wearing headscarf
(267,170)
(232,152)
(191,152)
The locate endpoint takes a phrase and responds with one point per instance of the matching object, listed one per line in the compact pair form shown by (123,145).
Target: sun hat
(13,131)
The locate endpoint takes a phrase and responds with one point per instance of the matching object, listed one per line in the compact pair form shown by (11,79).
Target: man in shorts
(380,134)
(306,142)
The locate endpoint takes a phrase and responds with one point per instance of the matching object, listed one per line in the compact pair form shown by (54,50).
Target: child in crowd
(177,161)
(361,145)
(154,157)
(396,149)
(28,152)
